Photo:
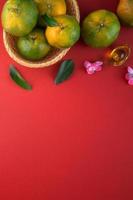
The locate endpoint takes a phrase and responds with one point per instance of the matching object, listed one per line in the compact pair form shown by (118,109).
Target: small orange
(100,28)
(19,17)
(66,34)
(51,7)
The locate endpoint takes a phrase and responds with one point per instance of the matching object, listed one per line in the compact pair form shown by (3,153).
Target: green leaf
(50,21)
(65,71)
(18,79)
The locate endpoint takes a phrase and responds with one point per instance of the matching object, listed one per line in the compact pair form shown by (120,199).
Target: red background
(68,142)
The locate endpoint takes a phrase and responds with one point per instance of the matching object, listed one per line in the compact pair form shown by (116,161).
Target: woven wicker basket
(53,57)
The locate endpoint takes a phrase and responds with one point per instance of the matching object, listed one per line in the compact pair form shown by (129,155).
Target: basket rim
(31,64)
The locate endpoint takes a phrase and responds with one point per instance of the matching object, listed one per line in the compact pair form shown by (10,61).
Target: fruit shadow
(54,69)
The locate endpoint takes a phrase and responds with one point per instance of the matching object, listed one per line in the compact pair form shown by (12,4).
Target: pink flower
(91,68)
(129,75)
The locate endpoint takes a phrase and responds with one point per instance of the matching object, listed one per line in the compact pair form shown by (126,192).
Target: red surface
(68,142)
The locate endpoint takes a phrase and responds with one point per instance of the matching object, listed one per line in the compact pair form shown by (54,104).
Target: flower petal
(87,64)
(130,70)
(99,69)
(90,71)
(98,63)
(130,82)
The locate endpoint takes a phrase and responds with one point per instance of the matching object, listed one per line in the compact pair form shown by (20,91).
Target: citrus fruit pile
(39,26)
